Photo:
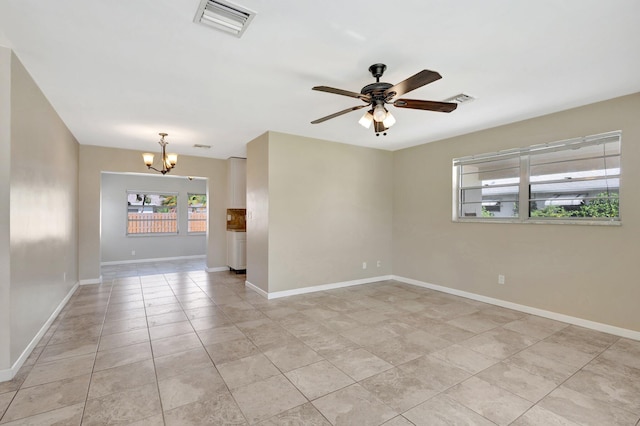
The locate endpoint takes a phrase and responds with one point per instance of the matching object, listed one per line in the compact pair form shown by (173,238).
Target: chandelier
(168,160)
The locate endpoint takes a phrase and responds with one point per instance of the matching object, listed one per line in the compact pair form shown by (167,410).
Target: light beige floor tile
(181,362)
(170,330)
(58,370)
(5,400)
(622,392)
(157,420)
(118,340)
(584,340)
(73,334)
(231,350)
(167,318)
(536,327)
(439,374)
(360,364)
(267,398)
(70,415)
(220,334)
(397,350)
(318,379)
(398,421)
(212,321)
(399,389)
(330,344)
(492,402)
(367,335)
(545,359)
(444,411)
(123,407)
(116,326)
(499,343)
(354,405)
(605,365)
(47,397)
(464,358)
(247,370)
(518,381)
(195,385)
(122,356)
(537,416)
(221,409)
(164,314)
(68,349)
(625,352)
(585,410)
(292,356)
(121,378)
(123,315)
(302,415)
(172,345)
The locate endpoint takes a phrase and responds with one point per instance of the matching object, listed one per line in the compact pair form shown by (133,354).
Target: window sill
(542,221)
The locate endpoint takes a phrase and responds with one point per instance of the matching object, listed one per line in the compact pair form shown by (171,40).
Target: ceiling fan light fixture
(379,113)
(366,120)
(389,120)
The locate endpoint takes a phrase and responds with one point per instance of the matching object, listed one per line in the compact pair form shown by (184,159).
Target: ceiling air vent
(197,145)
(460,99)
(224,16)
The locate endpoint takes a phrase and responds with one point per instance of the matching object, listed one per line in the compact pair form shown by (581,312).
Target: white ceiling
(118,72)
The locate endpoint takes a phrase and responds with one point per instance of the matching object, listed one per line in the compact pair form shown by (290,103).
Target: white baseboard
(217,269)
(257,289)
(8,374)
(605,328)
(313,289)
(91,281)
(159,259)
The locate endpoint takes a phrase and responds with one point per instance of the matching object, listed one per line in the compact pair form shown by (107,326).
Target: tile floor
(197,348)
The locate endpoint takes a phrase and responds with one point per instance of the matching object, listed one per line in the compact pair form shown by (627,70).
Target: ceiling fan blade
(328,89)
(337,114)
(420,79)
(426,105)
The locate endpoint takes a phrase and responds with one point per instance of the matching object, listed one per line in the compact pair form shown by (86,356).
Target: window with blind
(576,180)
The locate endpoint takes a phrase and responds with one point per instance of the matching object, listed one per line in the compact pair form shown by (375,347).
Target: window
(197,217)
(152,213)
(576,180)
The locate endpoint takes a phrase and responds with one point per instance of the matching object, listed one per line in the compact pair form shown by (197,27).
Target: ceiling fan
(377,94)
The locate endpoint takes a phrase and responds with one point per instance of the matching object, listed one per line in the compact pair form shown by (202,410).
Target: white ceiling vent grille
(224,16)
(460,98)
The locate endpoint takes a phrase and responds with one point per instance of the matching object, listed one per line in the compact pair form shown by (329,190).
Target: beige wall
(330,209)
(94,160)
(589,272)
(258,212)
(5,174)
(43,209)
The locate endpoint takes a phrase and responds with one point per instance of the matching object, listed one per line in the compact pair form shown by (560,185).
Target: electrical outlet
(64,276)
(379,263)
(500,279)
(364,265)
(133,252)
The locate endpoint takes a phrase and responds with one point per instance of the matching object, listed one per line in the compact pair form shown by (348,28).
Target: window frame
(189,220)
(154,234)
(525,194)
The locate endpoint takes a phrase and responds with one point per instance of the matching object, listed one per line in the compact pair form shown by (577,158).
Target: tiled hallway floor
(198,348)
